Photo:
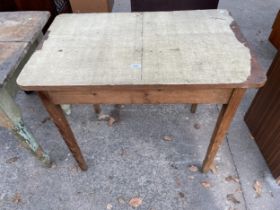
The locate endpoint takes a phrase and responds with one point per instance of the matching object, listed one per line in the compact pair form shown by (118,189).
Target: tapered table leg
(11,118)
(97,108)
(193,108)
(222,125)
(61,123)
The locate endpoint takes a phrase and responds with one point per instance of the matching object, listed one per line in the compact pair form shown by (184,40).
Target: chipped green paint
(10,117)
(27,138)
(10,114)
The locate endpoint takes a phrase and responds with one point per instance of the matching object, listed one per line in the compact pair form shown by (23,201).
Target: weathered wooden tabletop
(18,30)
(21,26)
(157,48)
(143,58)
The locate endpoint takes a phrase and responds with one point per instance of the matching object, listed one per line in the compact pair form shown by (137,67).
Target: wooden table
(143,58)
(20,33)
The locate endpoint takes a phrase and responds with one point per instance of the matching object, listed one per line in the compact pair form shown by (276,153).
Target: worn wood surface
(11,54)
(222,125)
(21,26)
(19,35)
(263,117)
(9,79)
(141,96)
(188,48)
(61,123)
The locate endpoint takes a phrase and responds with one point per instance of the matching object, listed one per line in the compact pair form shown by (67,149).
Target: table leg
(193,108)
(97,108)
(61,123)
(11,118)
(223,123)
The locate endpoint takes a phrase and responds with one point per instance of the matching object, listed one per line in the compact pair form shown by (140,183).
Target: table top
(21,26)
(18,30)
(201,47)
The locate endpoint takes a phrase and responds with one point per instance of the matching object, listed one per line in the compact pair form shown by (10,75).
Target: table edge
(29,43)
(257,77)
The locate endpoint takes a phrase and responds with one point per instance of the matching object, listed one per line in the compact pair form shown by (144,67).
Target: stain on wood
(11,54)
(140,54)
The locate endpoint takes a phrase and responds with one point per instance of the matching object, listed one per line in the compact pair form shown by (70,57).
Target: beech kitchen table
(143,58)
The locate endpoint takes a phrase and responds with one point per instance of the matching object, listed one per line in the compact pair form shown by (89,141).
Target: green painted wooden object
(20,34)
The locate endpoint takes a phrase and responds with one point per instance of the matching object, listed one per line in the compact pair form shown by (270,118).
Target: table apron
(142,96)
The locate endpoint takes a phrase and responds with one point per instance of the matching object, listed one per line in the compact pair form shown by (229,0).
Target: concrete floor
(130,159)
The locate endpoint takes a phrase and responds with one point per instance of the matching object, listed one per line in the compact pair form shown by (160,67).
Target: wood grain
(11,54)
(224,120)
(158,48)
(61,123)
(141,96)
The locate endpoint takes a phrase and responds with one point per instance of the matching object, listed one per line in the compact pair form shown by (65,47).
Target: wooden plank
(22,26)
(61,123)
(223,123)
(141,96)
(13,69)
(167,48)
(263,117)
(192,48)
(11,55)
